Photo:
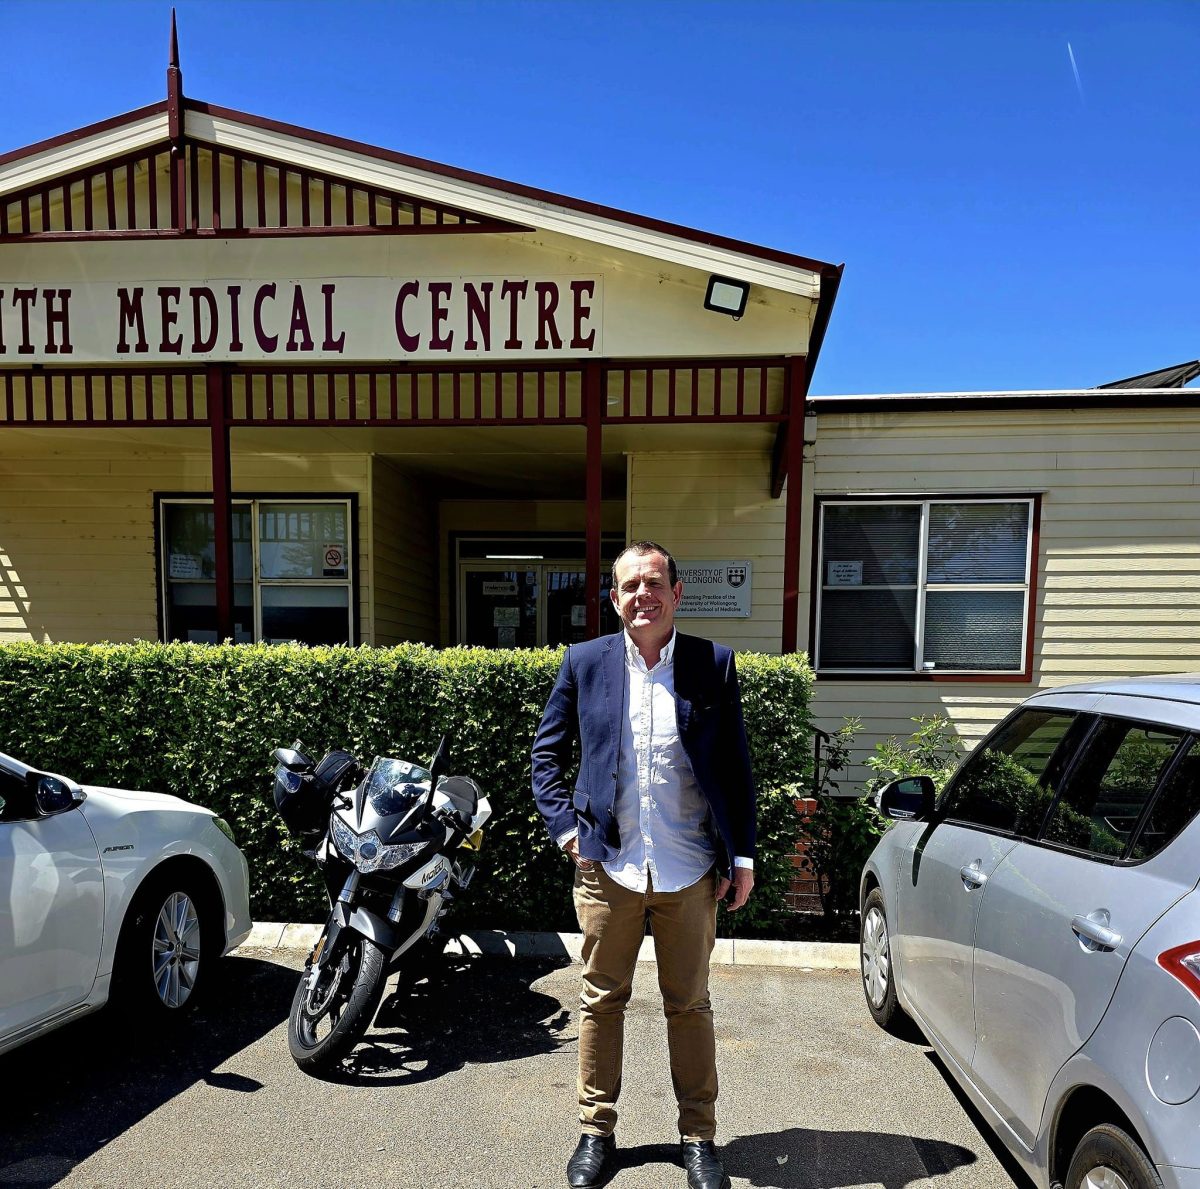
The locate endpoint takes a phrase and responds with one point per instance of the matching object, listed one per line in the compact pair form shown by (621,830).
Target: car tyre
(875,964)
(1108,1158)
(165,949)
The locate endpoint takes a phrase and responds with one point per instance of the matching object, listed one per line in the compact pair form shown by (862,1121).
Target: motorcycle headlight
(368,853)
(344,838)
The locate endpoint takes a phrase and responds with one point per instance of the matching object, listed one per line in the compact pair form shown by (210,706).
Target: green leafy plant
(202,721)
(842,830)
(933,749)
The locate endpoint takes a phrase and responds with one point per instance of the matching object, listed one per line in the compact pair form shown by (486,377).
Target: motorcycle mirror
(441,758)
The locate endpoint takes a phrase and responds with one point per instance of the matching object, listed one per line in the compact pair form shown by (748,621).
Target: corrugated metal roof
(1167,377)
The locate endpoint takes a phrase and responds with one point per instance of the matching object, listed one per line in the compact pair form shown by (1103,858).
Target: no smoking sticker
(335,560)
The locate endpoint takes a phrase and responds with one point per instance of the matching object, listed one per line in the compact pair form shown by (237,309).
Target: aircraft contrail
(1075,72)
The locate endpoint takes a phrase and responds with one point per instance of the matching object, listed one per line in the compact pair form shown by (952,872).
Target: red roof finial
(174,88)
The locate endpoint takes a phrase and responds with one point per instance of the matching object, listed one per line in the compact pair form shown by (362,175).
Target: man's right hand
(571,846)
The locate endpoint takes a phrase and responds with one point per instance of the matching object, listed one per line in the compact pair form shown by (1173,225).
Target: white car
(106,893)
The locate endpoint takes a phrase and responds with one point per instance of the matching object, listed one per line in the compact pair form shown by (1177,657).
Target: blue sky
(1002,225)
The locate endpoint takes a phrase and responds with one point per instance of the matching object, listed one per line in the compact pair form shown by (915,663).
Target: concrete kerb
(802,955)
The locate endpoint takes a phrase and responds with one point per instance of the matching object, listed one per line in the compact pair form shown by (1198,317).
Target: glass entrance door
(540,603)
(500,606)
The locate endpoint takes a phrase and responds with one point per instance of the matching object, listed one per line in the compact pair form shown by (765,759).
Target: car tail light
(1183,961)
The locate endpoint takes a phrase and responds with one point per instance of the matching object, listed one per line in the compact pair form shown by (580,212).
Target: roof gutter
(831,280)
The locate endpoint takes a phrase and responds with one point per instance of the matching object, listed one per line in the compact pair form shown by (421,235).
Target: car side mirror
(911,798)
(53,794)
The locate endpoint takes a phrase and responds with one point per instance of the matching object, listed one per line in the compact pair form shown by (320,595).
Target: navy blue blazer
(587,705)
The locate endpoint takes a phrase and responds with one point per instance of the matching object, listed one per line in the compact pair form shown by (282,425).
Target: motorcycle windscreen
(395,786)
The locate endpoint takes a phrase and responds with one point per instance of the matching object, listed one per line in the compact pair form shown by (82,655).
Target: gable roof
(372,167)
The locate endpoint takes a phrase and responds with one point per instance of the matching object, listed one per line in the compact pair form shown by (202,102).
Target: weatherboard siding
(716,507)
(1119,560)
(77,545)
(404,530)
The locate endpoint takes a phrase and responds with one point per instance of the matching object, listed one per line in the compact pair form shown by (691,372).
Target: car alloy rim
(176,950)
(876,964)
(1103,1177)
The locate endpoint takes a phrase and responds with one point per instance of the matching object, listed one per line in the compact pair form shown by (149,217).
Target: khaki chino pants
(613,922)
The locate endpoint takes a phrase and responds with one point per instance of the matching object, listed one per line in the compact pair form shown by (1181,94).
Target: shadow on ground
(802,1158)
(432,1024)
(1002,1154)
(104,1074)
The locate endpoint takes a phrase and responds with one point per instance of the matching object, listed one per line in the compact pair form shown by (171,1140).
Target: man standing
(660,825)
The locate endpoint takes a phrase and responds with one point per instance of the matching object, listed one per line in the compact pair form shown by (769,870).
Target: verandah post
(218,421)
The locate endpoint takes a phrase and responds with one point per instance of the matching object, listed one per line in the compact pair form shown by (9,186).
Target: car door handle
(973,876)
(1094,933)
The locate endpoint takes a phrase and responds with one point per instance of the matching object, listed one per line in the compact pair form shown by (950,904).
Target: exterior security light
(726,296)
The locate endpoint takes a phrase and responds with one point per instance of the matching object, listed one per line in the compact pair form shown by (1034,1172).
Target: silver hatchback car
(1040,923)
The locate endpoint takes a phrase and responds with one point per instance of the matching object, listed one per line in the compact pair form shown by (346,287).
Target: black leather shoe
(592,1161)
(704,1167)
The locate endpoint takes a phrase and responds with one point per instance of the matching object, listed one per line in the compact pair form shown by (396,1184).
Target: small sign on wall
(499,589)
(844,573)
(715,589)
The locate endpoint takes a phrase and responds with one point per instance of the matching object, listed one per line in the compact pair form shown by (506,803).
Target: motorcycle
(394,842)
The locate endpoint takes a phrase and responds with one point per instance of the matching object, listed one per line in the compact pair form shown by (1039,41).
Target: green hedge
(202,721)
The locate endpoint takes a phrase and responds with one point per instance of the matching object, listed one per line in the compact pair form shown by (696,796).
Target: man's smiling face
(644,597)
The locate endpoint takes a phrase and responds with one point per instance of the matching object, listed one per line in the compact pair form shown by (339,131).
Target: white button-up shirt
(661,812)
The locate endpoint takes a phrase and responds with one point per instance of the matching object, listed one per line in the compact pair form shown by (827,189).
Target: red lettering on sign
(547,295)
(130,317)
(410,342)
(24,298)
(167,295)
(331,343)
(479,315)
(439,295)
(510,291)
(203,343)
(59,318)
(580,342)
(266,341)
(299,324)
(235,317)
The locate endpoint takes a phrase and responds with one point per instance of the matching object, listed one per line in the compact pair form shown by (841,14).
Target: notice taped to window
(715,589)
(844,573)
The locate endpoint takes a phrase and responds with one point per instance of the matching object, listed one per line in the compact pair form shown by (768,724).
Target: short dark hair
(641,548)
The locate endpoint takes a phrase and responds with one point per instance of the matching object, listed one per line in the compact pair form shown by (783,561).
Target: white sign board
(285,320)
(844,573)
(714,589)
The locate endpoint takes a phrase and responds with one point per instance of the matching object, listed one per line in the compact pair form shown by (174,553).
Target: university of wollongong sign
(289,320)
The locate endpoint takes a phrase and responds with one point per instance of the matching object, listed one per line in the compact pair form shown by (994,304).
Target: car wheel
(1107,1158)
(165,948)
(875,956)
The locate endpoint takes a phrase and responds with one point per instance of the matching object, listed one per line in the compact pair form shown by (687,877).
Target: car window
(1009,782)
(16,802)
(1175,806)
(1110,787)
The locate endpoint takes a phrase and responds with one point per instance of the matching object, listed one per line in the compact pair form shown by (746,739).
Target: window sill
(1001,676)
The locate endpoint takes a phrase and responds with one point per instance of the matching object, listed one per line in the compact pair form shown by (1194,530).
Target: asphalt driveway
(469,1082)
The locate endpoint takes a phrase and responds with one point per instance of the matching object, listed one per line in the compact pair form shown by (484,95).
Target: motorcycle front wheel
(330,1016)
